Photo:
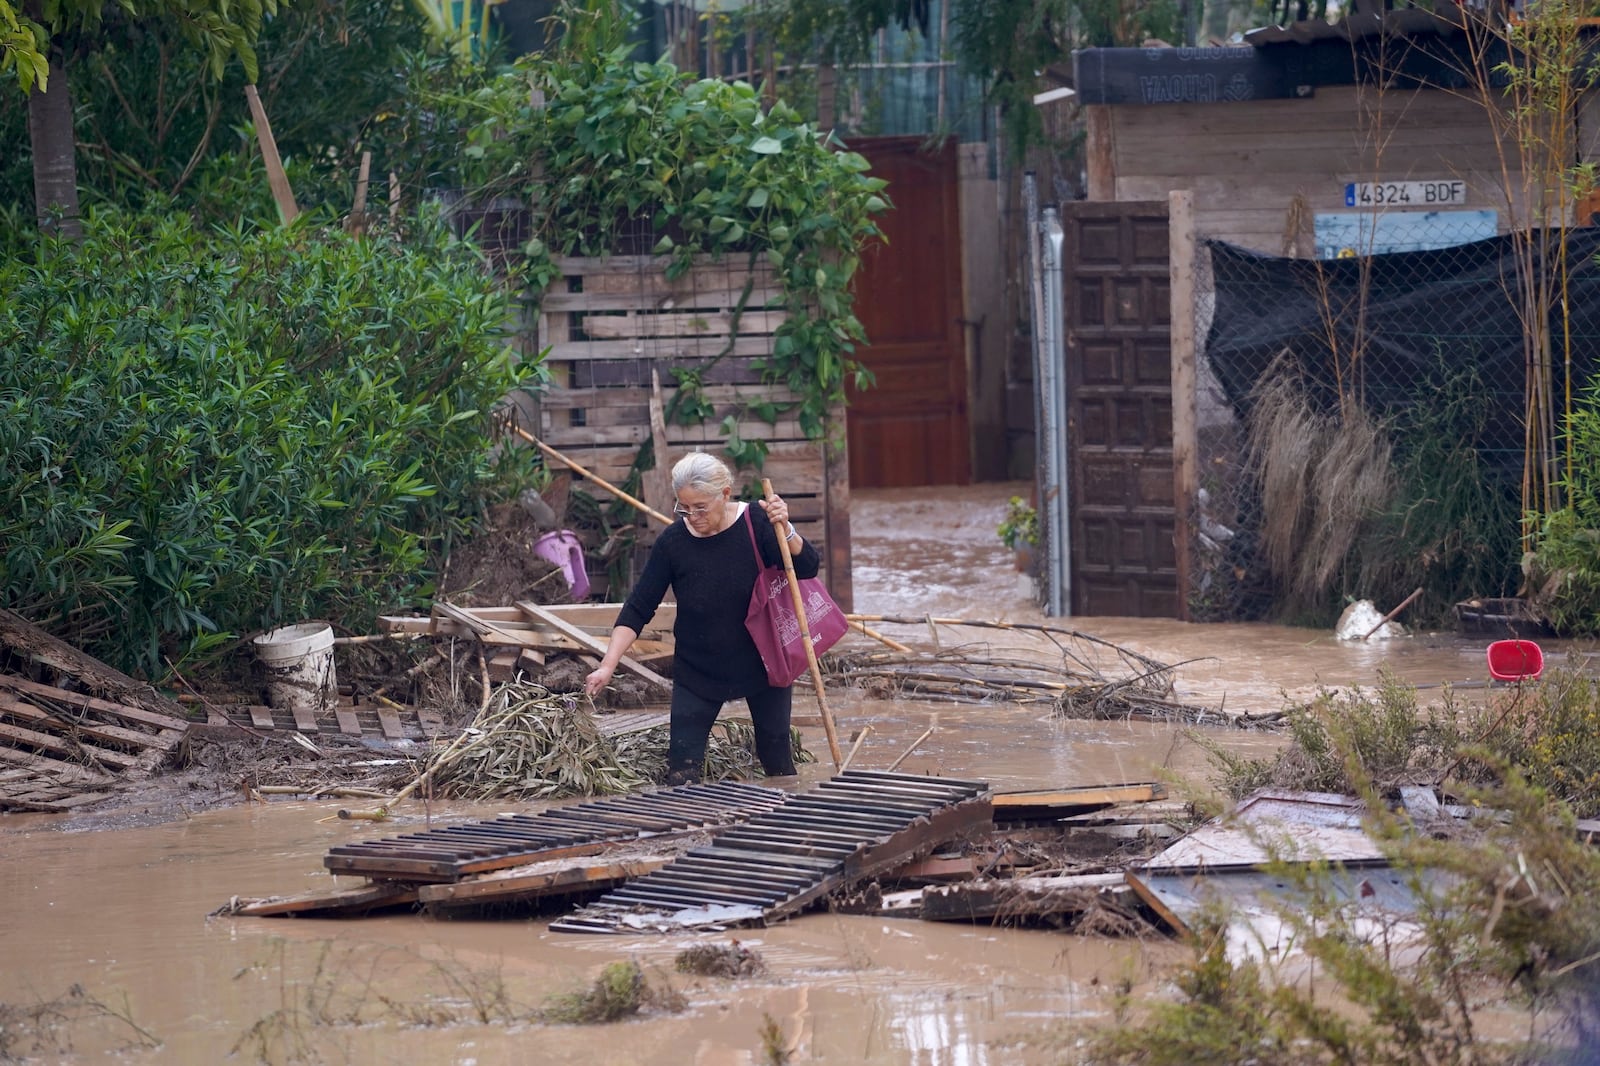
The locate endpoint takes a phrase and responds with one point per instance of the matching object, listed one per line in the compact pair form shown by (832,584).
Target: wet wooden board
(333,902)
(849,829)
(1049,804)
(595,644)
(531,881)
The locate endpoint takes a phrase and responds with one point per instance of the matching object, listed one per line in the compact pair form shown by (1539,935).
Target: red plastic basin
(1515,660)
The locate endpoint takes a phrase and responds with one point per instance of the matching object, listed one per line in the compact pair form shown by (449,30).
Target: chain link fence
(1362,416)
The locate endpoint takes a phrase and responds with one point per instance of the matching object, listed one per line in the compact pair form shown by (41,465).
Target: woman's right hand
(597,680)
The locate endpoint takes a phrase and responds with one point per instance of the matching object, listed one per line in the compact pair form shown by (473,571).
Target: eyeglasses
(697,511)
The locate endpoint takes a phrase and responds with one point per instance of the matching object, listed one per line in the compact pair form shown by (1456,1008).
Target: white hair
(702,472)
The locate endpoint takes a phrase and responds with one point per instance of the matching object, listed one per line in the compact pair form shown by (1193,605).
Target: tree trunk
(55,161)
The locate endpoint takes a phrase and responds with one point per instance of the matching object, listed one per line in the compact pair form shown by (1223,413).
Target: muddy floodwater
(123,913)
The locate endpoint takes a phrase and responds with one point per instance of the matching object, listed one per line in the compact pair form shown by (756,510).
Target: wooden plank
(305,718)
(72,753)
(534,610)
(389,722)
(52,806)
(717,294)
(34,643)
(131,714)
(671,325)
(261,717)
(671,349)
(653,265)
(348,723)
(1062,803)
(94,729)
(71,773)
(1100,167)
(532,880)
(635,431)
(335,901)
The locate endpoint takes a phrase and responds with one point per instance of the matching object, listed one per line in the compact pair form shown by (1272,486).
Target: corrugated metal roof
(1446,17)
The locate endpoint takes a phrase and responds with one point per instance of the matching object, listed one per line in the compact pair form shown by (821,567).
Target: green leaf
(766,146)
(758,198)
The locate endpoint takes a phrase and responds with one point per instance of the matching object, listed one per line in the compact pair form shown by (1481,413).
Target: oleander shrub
(206,433)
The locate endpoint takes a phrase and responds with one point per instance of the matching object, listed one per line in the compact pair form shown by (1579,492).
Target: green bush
(621,151)
(206,434)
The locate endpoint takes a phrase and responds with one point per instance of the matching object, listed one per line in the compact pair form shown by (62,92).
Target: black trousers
(692,719)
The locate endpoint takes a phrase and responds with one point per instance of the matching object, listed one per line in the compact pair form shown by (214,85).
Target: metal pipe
(1044,480)
(1057,400)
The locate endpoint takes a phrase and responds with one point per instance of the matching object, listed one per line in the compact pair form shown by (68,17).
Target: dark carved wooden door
(911,427)
(1119,388)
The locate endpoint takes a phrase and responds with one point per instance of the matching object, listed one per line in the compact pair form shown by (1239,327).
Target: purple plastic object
(563,550)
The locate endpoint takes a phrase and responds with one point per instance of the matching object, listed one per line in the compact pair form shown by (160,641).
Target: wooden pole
(805,635)
(602,482)
(915,744)
(358,210)
(861,736)
(1185,439)
(1388,617)
(276,178)
(892,645)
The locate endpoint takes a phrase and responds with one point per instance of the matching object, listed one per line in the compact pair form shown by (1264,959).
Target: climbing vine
(600,146)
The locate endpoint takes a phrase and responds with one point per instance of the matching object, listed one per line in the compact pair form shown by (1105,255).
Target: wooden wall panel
(1246,163)
(606,324)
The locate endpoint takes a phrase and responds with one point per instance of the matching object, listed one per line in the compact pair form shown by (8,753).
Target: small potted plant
(1019,532)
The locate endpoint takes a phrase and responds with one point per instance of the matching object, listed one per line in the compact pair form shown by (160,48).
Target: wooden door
(1119,402)
(911,428)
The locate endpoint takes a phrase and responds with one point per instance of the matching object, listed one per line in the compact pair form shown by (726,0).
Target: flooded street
(123,912)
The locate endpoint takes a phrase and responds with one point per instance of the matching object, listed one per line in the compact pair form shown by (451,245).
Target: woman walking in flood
(708,561)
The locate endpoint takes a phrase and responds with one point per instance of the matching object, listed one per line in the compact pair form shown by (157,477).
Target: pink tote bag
(774,627)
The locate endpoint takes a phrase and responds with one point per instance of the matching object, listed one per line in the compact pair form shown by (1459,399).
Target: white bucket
(299,664)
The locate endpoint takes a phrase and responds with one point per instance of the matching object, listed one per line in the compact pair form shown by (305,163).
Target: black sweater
(712,579)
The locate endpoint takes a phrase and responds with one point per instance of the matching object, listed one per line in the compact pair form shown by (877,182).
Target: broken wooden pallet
(851,828)
(64,749)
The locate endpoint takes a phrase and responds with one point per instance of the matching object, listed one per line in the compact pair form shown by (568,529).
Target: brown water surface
(123,912)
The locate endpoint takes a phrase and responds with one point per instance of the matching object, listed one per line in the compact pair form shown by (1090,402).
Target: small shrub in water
(620,991)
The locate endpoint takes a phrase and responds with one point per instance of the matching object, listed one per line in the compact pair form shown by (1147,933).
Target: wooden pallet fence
(612,328)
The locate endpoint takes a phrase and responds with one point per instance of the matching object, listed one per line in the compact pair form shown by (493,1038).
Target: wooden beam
(1100,160)
(539,879)
(594,644)
(1069,801)
(1185,435)
(277,180)
(335,901)
(78,699)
